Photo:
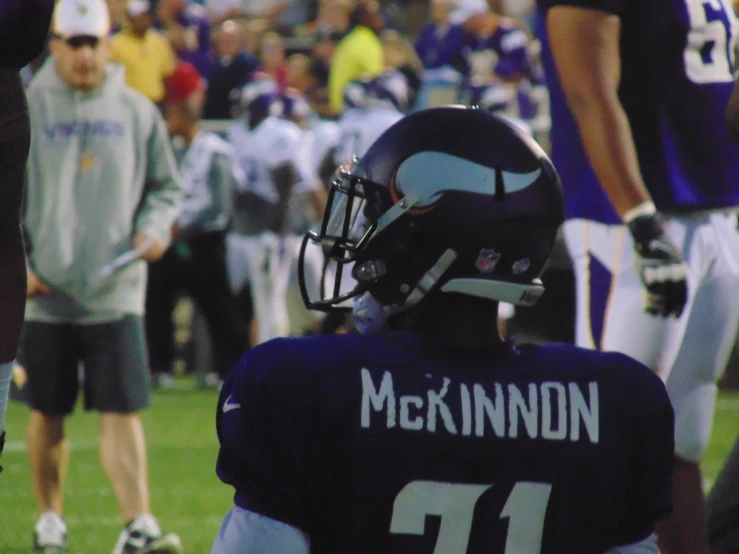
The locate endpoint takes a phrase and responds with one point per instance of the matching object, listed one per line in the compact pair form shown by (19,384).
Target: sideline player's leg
(49,353)
(163,281)
(209,287)
(301,319)
(117,386)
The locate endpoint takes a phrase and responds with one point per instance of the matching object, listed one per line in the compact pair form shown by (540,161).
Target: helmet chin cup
(370,316)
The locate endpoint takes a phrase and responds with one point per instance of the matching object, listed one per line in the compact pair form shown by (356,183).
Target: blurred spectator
(253,31)
(496,50)
(521,10)
(196,261)
(117,11)
(333,17)
(324,46)
(299,73)
(293,15)
(310,78)
(188,29)
(145,54)
(232,69)
(465,9)
(400,55)
(359,53)
(272,58)
(222,10)
(440,48)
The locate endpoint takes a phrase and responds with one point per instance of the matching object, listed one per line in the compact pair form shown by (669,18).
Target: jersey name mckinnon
(548,410)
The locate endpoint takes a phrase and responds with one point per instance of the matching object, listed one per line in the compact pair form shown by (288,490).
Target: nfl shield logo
(487,260)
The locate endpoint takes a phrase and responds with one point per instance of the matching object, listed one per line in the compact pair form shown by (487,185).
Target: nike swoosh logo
(228,405)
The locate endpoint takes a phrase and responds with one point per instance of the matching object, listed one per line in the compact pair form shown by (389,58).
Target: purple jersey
(440,47)
(502,55)
(676,59)
(357,439)
(194,22)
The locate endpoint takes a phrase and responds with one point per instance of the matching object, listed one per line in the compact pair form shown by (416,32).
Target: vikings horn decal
(431,174)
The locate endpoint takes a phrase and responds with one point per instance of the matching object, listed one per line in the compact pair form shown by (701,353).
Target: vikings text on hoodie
(100,172)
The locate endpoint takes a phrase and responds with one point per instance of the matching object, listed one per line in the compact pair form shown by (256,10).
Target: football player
(639,92)
(196,261)
(372,106)
(269,155)
(23,30)
(305,211)
(348,443)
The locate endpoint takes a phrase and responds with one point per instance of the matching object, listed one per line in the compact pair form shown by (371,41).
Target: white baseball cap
(81,17)
(135,8)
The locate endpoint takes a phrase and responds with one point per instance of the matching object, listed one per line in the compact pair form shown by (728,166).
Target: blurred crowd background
(474,52)
(444,48)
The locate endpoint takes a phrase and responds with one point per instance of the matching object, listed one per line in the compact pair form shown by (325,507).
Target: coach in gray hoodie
(101,181)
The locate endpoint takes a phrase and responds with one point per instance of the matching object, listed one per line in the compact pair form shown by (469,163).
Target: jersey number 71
(455,503)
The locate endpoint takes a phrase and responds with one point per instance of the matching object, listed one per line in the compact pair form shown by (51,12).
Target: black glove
(661,267)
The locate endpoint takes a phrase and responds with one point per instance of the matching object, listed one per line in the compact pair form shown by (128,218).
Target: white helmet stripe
(430,174)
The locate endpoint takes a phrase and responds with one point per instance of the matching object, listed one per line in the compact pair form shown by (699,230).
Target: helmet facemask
(353,217)
(344,231)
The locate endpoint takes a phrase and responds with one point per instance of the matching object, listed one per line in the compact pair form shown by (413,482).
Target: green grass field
(186,494)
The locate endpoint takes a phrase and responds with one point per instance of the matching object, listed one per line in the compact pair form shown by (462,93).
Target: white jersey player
(305,212)
(269,156)
(373,106)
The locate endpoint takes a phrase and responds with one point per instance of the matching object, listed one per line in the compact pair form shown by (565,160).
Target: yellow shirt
(148,60)
(358,53)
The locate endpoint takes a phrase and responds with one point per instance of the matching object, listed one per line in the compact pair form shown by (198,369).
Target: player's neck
(456,321)
(190,134)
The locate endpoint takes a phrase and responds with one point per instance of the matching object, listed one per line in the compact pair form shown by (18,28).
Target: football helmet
(389,90)
(260,98)
(294,106)
(494,98)
(450,199)
(355,92)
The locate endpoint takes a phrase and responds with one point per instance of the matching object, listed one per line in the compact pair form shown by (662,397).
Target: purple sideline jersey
(436,49)
(675,84)
(504,54)
(194,21)
(24,26)
(355,440)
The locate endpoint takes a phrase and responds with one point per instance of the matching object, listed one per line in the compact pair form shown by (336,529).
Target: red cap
(183,83)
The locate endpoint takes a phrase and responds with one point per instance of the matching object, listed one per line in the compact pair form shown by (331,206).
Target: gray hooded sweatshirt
(100,172)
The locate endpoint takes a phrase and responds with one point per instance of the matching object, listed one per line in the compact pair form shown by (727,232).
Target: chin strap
(370,317)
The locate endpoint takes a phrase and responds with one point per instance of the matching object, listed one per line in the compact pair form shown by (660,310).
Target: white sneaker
(50,534)
(143,536)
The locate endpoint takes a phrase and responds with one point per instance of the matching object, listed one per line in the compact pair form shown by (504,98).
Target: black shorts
(114,357)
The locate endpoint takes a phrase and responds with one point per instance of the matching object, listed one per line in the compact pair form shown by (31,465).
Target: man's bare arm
(585,46)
